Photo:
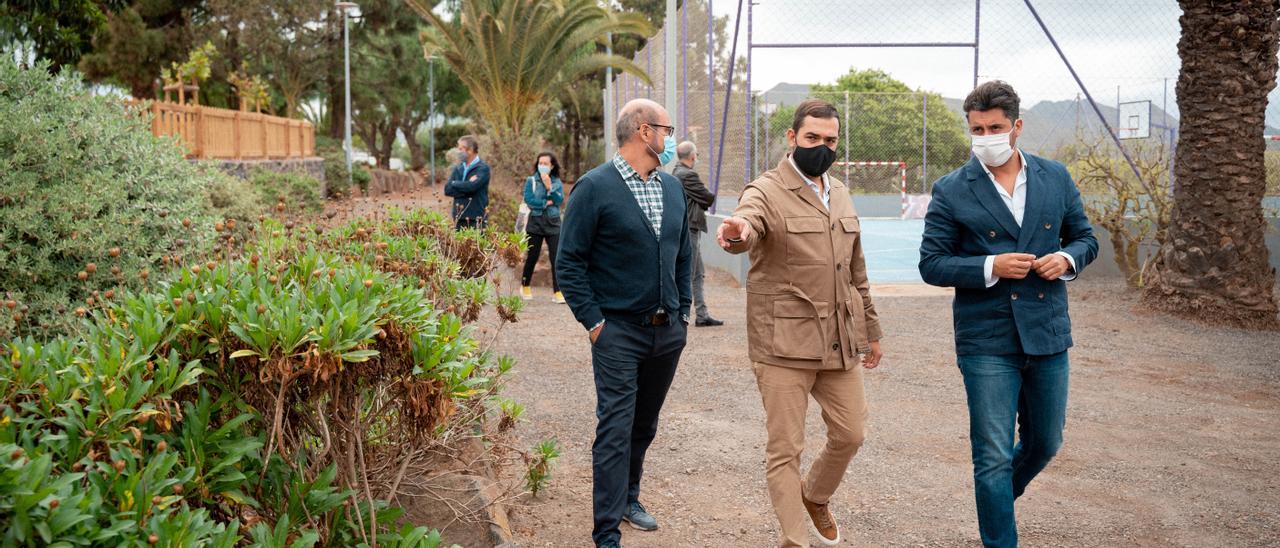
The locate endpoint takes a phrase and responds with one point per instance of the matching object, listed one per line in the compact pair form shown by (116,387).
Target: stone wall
(382,181)
(243,168)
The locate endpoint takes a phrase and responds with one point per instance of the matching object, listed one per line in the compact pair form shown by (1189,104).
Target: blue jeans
(1004,390)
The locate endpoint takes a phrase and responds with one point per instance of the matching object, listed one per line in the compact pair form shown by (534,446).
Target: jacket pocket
(798,327)
(851,229)
(857,323)
(807,240)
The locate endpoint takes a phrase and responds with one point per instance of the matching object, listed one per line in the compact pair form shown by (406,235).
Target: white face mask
(992,150)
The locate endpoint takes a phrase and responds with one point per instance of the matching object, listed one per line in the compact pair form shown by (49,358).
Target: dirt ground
(1173,429)
(1172,434)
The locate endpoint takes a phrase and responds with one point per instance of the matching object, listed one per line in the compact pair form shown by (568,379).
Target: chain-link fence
(708,111)
(1085,70)
(881,135)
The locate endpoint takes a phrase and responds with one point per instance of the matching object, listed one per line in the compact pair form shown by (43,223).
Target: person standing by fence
(544,194)
(469,186)
(697,200)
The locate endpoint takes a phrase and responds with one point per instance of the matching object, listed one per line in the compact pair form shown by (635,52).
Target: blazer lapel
(1037,201)
(985,191)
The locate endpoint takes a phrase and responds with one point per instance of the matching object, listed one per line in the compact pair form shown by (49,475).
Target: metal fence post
(847,115)
(610,101)
(711,101)
(669,63)
(684,69)
(977,27)
(924,143)
(768,123)
(749,133)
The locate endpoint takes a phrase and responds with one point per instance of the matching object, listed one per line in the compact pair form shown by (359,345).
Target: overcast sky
(1119,47)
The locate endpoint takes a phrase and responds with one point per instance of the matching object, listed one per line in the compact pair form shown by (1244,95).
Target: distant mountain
(786,95)
(1049,125)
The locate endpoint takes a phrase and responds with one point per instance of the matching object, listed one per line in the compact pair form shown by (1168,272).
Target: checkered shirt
(648,193)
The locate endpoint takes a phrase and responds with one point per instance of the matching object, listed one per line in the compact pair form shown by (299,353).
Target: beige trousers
(785,392)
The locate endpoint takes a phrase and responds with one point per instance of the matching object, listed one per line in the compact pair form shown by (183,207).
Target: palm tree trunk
(1214,265)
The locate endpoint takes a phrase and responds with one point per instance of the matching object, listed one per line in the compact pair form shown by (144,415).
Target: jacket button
(838,265)
(1047,226)
(1040,295)
(992,234)
(835,346)
(833,226)
(1014,296)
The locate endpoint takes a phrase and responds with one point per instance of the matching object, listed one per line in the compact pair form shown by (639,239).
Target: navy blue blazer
(967,221)
(610,263)
(470,196)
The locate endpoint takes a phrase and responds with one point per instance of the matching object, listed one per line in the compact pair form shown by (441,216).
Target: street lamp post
(431,118)
(346,8)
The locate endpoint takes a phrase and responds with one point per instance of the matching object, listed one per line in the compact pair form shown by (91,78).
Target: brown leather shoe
(822,523)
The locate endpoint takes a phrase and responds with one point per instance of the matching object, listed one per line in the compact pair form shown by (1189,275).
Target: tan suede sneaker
(822,523)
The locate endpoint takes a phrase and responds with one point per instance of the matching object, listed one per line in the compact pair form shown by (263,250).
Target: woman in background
(544,194)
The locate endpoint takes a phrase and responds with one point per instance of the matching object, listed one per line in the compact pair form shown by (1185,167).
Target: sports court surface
(892,249)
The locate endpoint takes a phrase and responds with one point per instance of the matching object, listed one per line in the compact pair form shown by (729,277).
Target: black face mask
(814,161)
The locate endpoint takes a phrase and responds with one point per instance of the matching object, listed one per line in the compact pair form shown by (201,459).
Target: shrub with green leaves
(265,399)
(84,187)
(234,198)
(335,169)
(296,189)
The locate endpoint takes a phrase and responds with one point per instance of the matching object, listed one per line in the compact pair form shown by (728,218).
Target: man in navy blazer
(469,185)
(1007,231)
(624,268)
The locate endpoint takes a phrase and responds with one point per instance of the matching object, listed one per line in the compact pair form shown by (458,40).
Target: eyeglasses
(671,130)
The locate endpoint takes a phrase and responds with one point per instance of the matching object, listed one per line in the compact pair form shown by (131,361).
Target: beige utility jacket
(808,300)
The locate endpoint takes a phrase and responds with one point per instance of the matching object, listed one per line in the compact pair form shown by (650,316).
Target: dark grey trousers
(633,367)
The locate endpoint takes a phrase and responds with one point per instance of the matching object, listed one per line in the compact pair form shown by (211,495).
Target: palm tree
(516,56)
(1214,265)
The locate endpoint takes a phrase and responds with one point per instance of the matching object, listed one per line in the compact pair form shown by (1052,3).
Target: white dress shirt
(825,194)
(1017,204)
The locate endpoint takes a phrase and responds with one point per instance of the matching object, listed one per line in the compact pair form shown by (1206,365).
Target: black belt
(659,318)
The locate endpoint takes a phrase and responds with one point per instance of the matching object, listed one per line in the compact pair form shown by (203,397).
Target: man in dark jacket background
(469,186)
(697,199)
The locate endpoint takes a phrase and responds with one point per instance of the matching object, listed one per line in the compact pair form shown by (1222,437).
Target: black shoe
(707,322)
(611,543)
(639,518)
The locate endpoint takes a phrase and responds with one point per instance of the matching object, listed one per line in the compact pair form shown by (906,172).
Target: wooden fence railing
(219,133)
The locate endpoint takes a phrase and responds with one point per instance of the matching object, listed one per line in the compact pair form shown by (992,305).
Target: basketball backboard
(1135,120)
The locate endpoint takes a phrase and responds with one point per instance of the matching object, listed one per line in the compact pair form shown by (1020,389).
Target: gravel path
(1172,435)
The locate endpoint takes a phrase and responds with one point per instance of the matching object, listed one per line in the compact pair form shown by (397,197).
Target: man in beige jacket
(811,326)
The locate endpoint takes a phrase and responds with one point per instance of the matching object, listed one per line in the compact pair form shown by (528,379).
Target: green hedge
(297,190)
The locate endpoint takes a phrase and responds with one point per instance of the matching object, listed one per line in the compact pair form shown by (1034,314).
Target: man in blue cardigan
(469,185)
(1007,230)
(624,269)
